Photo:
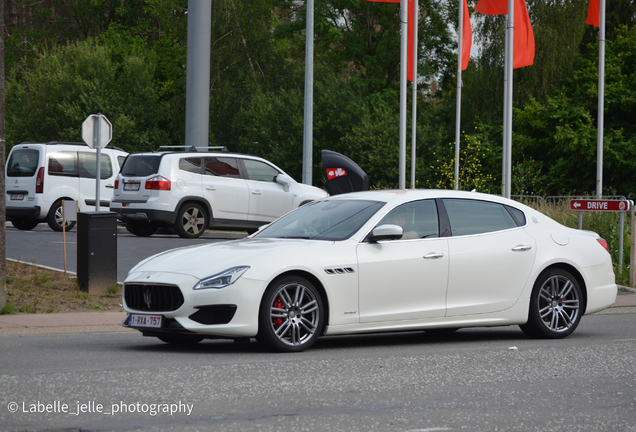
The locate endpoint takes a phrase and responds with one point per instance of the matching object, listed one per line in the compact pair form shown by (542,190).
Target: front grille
(153,298)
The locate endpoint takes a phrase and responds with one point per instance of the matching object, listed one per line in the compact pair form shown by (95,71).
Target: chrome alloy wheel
(294,314)
(193,220)
(559,303)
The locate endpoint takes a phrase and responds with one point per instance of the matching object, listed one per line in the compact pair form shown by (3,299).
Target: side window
(63,164)
(223,167)
(23,163)
(475,217)
(88,166)
(517,215)
(260,171)
(418,219)
(191,164)
(120,160)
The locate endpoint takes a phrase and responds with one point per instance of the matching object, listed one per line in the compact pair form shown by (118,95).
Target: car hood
(205,260)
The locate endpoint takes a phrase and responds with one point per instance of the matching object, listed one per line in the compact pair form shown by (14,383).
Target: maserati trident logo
(147,298)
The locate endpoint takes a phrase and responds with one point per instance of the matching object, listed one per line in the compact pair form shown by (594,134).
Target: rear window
(141,165)
(23,163)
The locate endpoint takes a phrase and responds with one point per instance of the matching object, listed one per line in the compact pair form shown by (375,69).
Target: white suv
(38,176)
(192,190)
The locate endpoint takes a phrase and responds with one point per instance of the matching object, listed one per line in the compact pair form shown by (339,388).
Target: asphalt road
(46,247)
(474,380)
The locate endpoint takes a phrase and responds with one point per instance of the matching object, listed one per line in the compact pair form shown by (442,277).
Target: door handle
(521,248)
(210,188)
(110,186)
(434,255)
(256,192)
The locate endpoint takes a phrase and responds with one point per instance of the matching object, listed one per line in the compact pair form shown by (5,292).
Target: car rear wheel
(191,221)
(55,218)
(291,315)
(556,305)
(141,228)
(25,224)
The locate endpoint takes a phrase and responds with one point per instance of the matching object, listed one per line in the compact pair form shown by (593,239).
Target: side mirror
(285,180)
(386,232)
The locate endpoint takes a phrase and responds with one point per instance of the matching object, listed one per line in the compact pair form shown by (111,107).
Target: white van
(38,176)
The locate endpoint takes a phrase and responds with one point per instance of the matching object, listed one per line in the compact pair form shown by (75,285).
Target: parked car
(364,262)
(191,191)
(38,176)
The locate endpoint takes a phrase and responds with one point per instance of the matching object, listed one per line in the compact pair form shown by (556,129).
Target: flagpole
(458,107)
(507,138)
(403,62)
(601,100)
(309,97)
(414,88)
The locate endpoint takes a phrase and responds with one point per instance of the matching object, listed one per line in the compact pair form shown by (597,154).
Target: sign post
(97,132)
(620,206)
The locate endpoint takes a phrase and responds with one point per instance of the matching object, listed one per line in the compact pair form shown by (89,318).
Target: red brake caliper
(279,305)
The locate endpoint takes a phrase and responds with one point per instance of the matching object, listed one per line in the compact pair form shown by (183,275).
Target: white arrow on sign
(97,131)
(576,205)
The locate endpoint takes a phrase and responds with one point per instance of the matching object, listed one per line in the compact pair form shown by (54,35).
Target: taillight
(604,244)
(116,184)
(39,181)
(158,183)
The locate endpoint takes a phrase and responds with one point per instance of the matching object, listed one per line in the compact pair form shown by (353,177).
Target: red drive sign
(333,173)
(599,205)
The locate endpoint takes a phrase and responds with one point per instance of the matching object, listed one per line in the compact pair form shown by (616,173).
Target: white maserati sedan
(377,261)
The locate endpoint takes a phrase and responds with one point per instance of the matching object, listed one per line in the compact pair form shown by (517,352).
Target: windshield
(323,220)
(141,165)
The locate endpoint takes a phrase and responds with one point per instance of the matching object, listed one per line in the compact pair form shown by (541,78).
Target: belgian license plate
(146,321)
(17,197)
(131,186)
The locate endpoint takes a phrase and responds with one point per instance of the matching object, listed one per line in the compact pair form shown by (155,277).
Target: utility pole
(3,204)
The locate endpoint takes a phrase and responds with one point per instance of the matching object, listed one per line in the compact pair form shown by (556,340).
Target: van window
(224,167)
(63,164)
(23,163)
(88,166)
(260,171)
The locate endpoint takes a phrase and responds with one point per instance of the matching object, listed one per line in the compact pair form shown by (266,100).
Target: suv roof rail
(70,143)
(195,149)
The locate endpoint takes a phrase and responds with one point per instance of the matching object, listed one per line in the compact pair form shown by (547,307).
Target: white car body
(232,191)
(54,172)
(450,281)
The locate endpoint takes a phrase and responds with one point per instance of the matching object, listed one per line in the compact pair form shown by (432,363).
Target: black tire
(141,228)
(192,221)
(556,305)
(180,339)
(291,315)
(25,224)
(54,218)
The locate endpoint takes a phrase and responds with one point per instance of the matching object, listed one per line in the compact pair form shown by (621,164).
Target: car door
(491,256)
(87,179)
(268,199)
(224,188)
(405,279)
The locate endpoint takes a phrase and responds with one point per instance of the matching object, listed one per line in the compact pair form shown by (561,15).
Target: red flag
(524,36)
(410,36)
(593,12)
(467,37)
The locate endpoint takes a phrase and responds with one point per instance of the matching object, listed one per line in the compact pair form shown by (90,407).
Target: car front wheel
(556,305)
(291,315)
(191,221)
(55,218)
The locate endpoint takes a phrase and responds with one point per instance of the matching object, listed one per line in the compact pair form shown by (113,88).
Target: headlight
(221,280)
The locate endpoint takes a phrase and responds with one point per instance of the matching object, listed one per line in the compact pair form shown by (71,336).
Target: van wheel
(141,228)
(25,224)
(54,218)
(191,221)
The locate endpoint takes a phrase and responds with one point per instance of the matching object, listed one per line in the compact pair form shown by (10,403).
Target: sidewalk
(110,322)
